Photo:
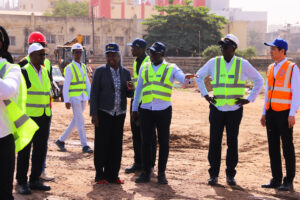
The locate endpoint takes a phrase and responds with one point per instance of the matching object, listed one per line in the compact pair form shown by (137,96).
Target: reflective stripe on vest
(135,74)
(23,126)
(279,89)
(77,85)
(38,95)
(227,86)
(157,85)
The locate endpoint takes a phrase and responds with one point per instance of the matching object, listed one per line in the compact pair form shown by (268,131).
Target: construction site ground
(187,166)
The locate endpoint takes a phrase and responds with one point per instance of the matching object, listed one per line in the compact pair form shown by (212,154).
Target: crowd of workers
(25,93)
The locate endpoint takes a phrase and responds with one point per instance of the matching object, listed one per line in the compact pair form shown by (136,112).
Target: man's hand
(291,121)
(135,116)
(241,102)
(263,120)
(130,85)
(210,99)
(95,120)
(68,105)
(189,76)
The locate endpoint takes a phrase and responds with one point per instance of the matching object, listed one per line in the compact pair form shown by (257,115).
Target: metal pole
(93,29)
(199,42)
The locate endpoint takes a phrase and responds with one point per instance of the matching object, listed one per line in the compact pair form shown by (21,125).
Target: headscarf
(4,39)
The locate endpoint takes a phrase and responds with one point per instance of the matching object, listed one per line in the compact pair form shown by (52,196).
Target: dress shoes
(230,181)
(61,145)
(133,169)
(213,181)
(87,149)
(161,179)
(38,185)
(286,187)
(273,184)
(143,178)
(24,189)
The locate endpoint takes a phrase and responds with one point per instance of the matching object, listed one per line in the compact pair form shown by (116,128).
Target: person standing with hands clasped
(229,74)
(76,93)
(282,99)
(154,90)
(110,88)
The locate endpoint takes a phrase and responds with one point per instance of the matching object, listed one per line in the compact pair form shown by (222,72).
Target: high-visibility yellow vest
(38,95)
(47,63)
(77,85)
(135,73)
(227,86)
(23,126)
(157,85)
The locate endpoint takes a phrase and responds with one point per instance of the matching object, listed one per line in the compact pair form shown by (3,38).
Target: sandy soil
(187,166)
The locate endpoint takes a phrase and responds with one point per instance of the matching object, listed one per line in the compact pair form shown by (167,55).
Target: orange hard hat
(36,37)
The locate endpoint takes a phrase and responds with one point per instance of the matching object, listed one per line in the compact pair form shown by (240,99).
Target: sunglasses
(42,54)
(77,52)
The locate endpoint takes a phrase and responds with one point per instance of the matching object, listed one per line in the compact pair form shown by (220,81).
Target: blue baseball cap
(138,42)
(158,47)
(112,47)
(278,42)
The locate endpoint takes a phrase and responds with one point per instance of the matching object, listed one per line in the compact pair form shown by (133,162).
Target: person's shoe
(286,187)
(61,145)
(117,181)
(213,181)
(161,178)
(272,184)
(24,189)
(143,178)
(45,177)
(87,149)
(38,185)
(102,182)
(230,181)
(133,169)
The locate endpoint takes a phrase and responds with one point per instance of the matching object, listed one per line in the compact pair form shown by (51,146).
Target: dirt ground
(187,166)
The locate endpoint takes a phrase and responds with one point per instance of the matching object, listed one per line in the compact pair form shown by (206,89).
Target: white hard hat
(229,37)
(35,47)
(77,46)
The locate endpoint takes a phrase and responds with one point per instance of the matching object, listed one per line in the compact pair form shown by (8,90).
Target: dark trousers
(278,128)
(149,121)
(108,146)
(218,120)
(39,151)
(137,141)
(7,166)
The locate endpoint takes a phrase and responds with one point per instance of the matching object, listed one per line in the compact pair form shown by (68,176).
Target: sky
(279,11)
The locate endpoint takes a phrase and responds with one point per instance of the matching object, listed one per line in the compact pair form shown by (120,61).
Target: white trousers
(77,120)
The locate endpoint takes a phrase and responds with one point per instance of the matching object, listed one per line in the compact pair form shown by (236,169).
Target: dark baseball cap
(278,42)
(112,47)
(158,47)
(138,42)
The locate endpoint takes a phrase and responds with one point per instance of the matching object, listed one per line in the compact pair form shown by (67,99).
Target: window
(51,39)
(86,39)
(120,41)
(12,40)
(60,39)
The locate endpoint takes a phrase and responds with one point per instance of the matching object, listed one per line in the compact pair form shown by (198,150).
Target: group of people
(150,110)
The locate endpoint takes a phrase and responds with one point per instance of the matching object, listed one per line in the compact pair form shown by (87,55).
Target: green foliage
(178,28)
(212,51)
(62,8)
(247,53)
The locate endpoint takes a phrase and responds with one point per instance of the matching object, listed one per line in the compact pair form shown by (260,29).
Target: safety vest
(47,63)
(38,95)
(135,73)
(279,93)
(227,86)
(77,85)
(157,85)
(23,127)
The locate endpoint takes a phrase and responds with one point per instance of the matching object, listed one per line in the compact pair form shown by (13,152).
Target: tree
(62,8)
(179,26)
(247,53)
(212,51)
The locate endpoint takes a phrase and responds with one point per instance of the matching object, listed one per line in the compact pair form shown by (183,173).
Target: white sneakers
(45,177)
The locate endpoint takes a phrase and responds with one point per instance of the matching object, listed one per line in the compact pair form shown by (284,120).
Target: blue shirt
(156,104)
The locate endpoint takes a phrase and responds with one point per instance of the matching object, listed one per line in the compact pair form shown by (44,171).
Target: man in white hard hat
(76,92)
(229,74)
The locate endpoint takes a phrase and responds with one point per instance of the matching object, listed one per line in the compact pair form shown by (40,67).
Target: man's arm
(68,79)
(9,86)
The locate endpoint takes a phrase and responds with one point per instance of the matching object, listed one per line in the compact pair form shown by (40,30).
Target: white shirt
(68,79)
(9,88)
(156,104)
(39,73)
(247,72)
(295,88)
